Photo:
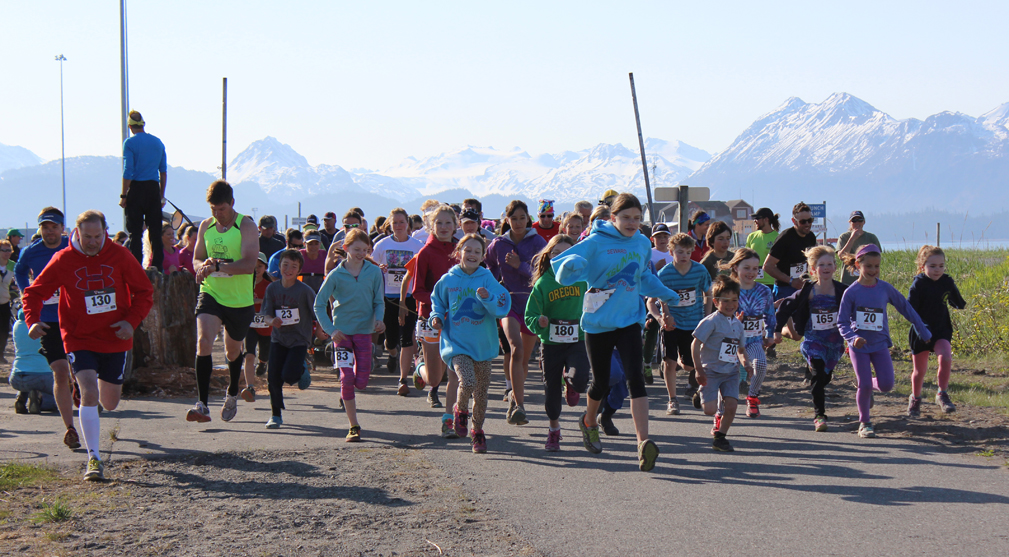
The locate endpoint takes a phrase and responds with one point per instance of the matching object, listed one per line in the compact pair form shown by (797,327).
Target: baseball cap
(313,236)
(51,216)
(660,228)
(763,213)
(329,216)
(312,219)
(267,221)
(470,214)
(14,232)
(605,199)
(856,215)
(262,257)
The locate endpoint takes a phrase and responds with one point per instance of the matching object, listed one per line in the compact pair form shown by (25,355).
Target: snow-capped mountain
(854,156)
(12,157)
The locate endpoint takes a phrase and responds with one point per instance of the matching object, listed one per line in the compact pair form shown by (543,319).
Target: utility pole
(224,133)
(124,95)
(641,146)
(63,149)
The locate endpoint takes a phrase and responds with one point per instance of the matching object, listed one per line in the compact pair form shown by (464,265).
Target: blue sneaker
(305,381)
(275,422)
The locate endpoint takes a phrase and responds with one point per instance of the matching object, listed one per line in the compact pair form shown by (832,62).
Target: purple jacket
(515,280)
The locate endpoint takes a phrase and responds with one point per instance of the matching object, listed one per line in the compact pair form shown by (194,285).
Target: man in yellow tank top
(227,248)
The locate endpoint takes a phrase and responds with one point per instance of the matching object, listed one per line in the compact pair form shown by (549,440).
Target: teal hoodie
(469,323)
(359,301)
(618,277)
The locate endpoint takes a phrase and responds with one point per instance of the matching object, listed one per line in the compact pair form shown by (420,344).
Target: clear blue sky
(364,84)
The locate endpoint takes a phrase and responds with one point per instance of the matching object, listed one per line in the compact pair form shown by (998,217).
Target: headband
(132,122)
(701,219)
(866,249)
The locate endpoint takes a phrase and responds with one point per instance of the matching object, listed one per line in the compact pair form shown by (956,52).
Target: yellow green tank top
(233,291)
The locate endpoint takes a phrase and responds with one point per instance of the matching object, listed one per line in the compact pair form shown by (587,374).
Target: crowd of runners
(588,290)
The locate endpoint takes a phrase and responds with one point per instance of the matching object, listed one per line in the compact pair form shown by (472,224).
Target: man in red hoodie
(104,295)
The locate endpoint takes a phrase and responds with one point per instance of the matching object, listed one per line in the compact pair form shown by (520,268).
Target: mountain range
(841,150)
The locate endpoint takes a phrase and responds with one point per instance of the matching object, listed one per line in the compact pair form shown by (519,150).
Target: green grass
(14,475)
(57,511)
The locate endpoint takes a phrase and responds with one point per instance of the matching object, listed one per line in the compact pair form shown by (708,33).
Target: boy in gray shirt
(718,349)
(288,306)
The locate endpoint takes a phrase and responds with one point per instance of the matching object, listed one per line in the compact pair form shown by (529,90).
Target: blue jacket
(469,322)
(273,265)
(359,302)
(26,351)
(34,258)
(144,157)
(620,269)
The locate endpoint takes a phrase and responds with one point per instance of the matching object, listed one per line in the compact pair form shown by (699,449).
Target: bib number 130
(100,301)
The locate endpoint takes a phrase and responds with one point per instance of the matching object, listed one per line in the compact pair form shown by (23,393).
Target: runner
(33,260)
(145,175)
(756,311)
(813,309)
(105,294)
(269,242)
(509,258)
(466,304)
(14,236)
(574,224)
(697,227)
(356,288)
(288,307)
(852,239)
(472,204)
(660,246)
(295,240)
(313,270)
(660,256)
(583,208)
(717,238)
(392,254)
(786,262)
(469,223)
(554,312)
(761,240)
(328,230)
(930,292)
(614,311)
(692,284)
(717,351)
(863,323)
(227,250)
(259,333)
(6,284)
(546,227)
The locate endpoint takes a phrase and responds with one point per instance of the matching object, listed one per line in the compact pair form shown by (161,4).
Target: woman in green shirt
(763,238)
(852,239)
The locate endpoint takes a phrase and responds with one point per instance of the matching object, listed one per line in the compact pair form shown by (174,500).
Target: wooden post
(167,336)
(641,145)
(937,234)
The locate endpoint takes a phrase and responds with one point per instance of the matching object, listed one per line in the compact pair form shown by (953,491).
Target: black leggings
(143,206)
(600,346)
(821,377)
(286,366)
(555,358)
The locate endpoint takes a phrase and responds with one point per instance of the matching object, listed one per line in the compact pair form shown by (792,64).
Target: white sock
(91,427)
(555,429)
(508,384)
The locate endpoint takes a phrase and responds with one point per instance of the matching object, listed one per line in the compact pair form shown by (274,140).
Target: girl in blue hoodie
(465,305)
(614,312)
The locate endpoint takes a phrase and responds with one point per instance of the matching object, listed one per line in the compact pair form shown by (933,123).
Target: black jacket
(796,306)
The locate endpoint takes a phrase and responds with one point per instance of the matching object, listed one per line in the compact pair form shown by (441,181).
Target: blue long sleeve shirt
(359,302)
(144,157)
(33,259)
(863,311)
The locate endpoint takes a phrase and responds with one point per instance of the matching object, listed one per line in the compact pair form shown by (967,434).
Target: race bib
(394,279)
(100,301)
(260,321)
(760,273)
(563,331)
(426,332)
(595,298)
(796,271)
(753,326)
(728,351)
(869,319)
(289,316)
(344,358)
(823,319)
(688,297)
(54,299)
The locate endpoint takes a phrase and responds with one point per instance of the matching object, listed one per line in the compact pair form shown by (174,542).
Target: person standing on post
(227,250)
(786,263)
(145,174)
(851,240)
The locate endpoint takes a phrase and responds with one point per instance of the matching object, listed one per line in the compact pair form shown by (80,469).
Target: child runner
(813,311)
(931,290)
(356,288)
(697,227)
(613,260)
(717,351)
(259,333)
(692,284)
(863,323)
(466,304)
(756,311)
(553,312)
(509,258)
(718,237)
(288,307)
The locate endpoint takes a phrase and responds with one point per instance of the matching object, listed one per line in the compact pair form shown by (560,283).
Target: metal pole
(122,67)
(937,234)
(224,133)
(299,215)
(824,222)
(63,150)
(641,145)
(683,197)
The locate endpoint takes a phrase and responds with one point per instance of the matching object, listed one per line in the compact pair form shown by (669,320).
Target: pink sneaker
(718,424)
(553,440)
(570,394)
(461,421)
(479,441)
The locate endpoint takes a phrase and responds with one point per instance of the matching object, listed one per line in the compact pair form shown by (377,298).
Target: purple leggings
(864,363)
(357,376)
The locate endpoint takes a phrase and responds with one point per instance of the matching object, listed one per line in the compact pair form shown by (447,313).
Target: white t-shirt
(658,256)
(395,256)
(420,235)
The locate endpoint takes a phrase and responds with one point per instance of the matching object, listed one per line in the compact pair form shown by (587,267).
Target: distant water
(982,245)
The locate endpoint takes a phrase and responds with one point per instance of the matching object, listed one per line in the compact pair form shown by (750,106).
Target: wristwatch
(217,266)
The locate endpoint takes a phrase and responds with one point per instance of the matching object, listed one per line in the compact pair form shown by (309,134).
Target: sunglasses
(857,220)
(805,221)
(355,225)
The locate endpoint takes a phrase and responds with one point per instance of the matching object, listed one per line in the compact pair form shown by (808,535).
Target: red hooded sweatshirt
(433,261)
(97,291)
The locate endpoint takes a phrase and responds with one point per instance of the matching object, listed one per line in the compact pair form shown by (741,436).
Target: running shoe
(21,403)
(512,405)
(76,395)
(447,427)
(590,436)
(95,472)
(507,395)
(418,381)
(945,404)
(305,381)
(433,400)
(275,422)
(771,353)
(404,388)
(752,407)
(570,394)
(248,394)
(553,440)
(696,399)
(519,416)
(717,424)
(721,444)
(392,366)
(260,369)
(648,452)
(479,441)
(71,439)
(35,402)
(673,407)
(198,413)
(606,422)
(913,406)
(230,408)
(354,435)
(865,430)
(820,423)
(649,379)
(461,422)
(342,405)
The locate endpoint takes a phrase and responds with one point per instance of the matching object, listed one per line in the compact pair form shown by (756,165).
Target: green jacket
(559,303)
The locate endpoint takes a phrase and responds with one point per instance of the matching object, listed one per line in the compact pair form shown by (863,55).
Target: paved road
(785,491)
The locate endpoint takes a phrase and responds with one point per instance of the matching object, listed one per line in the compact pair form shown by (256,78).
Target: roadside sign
(819,210)
(299,221)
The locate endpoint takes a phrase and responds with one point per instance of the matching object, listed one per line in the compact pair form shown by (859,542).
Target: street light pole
(63,154)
